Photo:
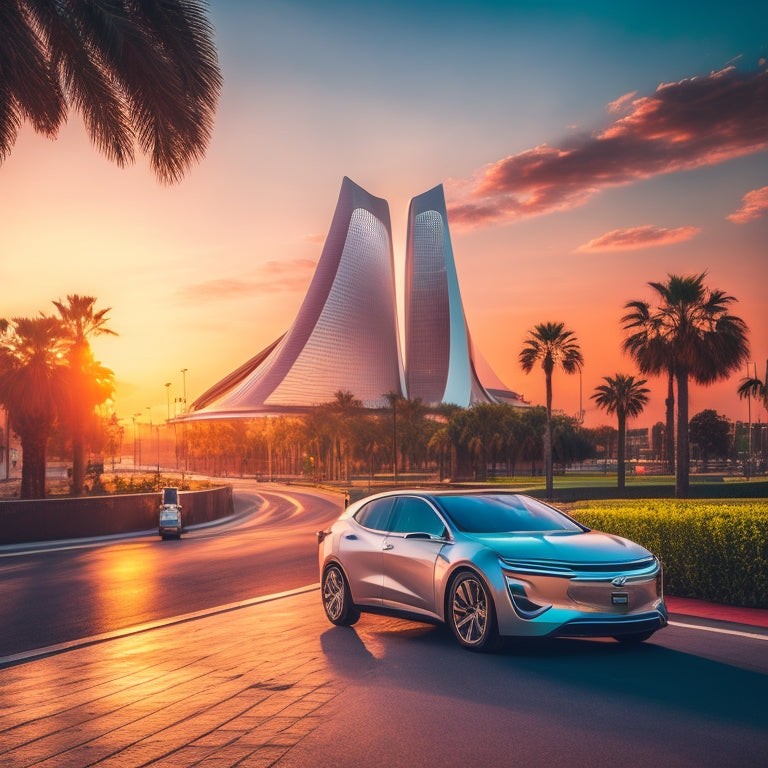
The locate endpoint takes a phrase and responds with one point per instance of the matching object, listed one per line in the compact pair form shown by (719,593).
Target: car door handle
(388,546)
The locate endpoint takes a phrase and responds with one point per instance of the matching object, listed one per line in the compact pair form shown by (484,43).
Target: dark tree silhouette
(140,73)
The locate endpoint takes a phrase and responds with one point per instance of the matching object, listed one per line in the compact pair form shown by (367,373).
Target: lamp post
(749,422)
(184,389)
(184,423)
(392,397)
(168,398)
(134,417)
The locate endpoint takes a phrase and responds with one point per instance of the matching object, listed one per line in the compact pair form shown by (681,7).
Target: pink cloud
(631,239)
(272,277)
(696,122)
(753,205)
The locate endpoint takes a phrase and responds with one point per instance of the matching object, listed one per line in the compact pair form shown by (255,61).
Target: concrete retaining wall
(65,518)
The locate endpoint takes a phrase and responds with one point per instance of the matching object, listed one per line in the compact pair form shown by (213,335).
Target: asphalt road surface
(52,594)
(689,697)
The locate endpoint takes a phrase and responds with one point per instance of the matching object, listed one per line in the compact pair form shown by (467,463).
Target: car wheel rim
(333,593)
(470,611)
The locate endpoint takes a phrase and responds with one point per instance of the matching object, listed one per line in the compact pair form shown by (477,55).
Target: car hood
(566,547)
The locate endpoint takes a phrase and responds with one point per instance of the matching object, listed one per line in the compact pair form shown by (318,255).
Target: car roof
(429,493)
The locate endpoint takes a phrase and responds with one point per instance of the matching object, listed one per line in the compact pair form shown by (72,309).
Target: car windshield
(167,514)
(504,513)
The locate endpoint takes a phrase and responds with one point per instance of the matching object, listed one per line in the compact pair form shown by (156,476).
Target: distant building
(345,336)
(638,445)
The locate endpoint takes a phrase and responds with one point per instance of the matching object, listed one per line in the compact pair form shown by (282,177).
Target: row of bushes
(711,550)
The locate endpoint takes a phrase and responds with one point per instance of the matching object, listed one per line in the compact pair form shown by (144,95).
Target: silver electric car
(488,564)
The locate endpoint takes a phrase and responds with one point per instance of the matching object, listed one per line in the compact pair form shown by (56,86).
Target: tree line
(51,385)
(341,439)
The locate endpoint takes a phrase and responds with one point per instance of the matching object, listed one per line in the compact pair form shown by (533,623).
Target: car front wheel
(337,599)
(471,614)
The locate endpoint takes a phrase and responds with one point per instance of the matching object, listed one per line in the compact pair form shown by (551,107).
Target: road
(56,594)
(689,697)
(407,694)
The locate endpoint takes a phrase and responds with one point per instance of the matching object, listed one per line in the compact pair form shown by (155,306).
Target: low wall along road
(74,518)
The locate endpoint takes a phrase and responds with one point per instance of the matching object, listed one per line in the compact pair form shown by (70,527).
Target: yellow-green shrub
(711,550)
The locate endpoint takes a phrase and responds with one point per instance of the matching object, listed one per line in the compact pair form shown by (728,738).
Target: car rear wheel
(337,599)
(471,614)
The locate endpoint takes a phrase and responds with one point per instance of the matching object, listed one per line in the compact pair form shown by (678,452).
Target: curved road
(59,593)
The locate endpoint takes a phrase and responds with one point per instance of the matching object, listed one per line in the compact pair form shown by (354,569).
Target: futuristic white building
(440,366)
(345,336)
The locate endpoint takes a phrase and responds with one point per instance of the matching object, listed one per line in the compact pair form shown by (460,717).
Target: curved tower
(345,335)
(440,365)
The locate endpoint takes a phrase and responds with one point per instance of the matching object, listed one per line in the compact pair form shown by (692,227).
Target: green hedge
(711,550)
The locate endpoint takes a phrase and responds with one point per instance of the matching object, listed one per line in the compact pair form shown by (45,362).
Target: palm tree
(754,387)
(32,388)
(344,407)
(90,382)
(649,349)
(626,398)
(143,74)
(701,341)
(551,345)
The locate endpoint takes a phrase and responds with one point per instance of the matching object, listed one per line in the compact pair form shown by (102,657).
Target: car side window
(375,515)
(414,515)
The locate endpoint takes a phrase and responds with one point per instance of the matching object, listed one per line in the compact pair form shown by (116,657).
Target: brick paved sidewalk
(215,691)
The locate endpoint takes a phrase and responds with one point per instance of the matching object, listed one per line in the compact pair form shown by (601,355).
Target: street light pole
(168,398)
(184,423)
(184,389)
(134,417)
(392,397)
(749,422)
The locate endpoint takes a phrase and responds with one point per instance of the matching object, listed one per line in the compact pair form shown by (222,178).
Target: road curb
(53,650)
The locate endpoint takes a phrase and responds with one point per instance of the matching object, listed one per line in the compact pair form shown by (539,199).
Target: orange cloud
(696,122)
(753,205)
(273,276)
(647,236)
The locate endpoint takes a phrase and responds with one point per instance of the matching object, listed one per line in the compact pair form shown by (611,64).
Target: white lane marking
(736,632)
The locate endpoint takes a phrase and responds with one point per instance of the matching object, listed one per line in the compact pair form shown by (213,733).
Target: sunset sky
(585,148)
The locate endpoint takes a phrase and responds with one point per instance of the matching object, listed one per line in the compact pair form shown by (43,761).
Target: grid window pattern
(428,328)
(353,346)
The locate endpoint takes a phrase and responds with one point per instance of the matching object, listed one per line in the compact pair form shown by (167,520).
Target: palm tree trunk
(669,434)
(33,467)
(78,465)
(548,441)
(621,453)
(683,463)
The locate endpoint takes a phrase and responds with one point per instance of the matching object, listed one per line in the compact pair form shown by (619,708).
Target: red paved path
(756,617)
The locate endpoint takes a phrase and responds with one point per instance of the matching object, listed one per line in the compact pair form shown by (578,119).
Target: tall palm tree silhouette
(553,346)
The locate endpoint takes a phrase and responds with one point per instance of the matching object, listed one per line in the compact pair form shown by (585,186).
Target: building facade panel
(345,336)
(439,365)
